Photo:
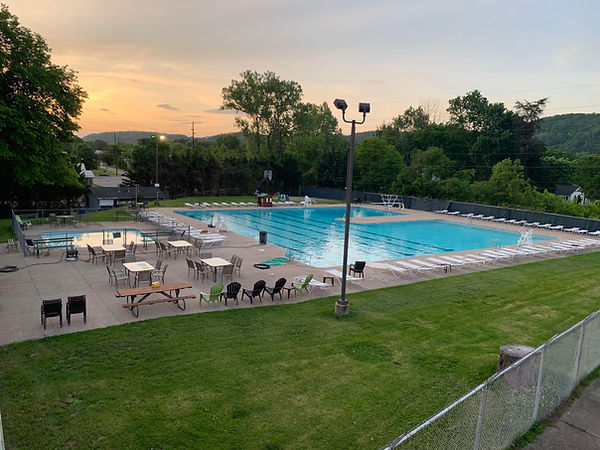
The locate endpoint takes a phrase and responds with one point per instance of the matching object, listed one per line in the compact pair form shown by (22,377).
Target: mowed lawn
(287,376)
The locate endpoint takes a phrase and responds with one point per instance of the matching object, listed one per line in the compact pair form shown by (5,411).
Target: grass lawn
(6,230)
(290,376)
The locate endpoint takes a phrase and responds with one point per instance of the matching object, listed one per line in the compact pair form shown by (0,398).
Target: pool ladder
(495,243)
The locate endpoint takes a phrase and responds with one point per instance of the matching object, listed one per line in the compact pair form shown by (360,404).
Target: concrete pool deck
(52,277)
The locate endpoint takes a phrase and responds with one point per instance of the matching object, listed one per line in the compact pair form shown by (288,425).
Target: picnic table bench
(146,291)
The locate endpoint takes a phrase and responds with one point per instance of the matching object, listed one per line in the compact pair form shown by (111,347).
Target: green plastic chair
(299,285)
(215,293)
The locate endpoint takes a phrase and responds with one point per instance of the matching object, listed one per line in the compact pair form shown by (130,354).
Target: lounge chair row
(447,262)
(196,236)
(234,204)
(524,223)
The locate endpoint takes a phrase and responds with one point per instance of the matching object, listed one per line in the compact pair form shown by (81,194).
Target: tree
(377,165)
(490,126)
(269,104)
(39,102)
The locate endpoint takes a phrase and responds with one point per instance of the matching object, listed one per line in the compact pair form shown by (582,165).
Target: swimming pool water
(81,238)
(315,237)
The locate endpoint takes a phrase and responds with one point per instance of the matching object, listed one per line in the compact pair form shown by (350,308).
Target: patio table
(215,264)
(110,249)
(180,246)
(137,267)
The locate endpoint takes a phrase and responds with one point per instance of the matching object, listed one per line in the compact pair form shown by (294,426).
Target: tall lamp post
(342,307)
(156,183)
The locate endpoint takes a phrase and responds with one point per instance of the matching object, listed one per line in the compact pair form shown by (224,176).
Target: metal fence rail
(506,405)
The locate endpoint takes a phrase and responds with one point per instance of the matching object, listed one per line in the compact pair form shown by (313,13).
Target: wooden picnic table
(166,290)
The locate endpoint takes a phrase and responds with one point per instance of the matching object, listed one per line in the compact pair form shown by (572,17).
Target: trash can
(262,237)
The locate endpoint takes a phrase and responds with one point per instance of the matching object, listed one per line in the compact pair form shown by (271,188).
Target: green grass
(291,376)
(6,230)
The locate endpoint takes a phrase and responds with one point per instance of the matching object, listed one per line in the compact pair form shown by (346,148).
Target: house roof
(126,192)
(565,189)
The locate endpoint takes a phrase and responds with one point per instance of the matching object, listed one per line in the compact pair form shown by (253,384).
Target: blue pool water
(94,238)
(315,237)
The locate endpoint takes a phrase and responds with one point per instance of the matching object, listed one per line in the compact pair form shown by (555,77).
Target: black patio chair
(256,291)
(191,267)
(231,291)
(51,308)
(357,269)
(76,305)
(279,284)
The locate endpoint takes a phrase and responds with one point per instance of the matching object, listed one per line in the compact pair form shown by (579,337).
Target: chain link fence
(506,405)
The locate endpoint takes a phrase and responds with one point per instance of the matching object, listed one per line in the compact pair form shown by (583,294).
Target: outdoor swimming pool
(94,237)
(314,236)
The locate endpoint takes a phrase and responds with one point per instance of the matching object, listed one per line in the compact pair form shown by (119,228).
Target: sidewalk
(578,427)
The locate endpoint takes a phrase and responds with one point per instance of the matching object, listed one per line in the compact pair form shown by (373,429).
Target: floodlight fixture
(340,104)
(364,108)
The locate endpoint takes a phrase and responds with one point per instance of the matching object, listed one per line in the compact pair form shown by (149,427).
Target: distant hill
(128,137)
(132,137)
(359,137)
(573,133)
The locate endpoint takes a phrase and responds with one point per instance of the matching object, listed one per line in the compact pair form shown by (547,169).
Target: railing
(495,243)
(506,405)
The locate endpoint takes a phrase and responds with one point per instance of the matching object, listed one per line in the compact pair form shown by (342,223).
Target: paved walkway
(577,427)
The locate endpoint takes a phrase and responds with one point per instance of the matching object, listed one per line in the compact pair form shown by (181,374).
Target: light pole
(156,183)
(342,307)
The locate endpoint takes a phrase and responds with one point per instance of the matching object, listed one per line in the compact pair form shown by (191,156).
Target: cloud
(222,111)
(167,106)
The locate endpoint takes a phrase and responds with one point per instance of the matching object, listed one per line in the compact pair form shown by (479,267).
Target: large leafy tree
(39,102)
(377,165)
(269,104)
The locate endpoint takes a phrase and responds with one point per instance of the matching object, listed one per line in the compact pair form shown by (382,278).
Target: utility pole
(116,155)
(193,137)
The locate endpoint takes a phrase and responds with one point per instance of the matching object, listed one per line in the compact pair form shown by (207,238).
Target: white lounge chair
(336,273)
(495,255)
(459,260)
(412,267)
(429,265)
(439,262)
(314,283)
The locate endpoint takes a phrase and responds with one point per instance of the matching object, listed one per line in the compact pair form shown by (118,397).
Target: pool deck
(52,277)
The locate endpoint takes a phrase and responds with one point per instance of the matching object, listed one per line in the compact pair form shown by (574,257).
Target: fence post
(480,416)
(1,434)
(538,389)
(578,355)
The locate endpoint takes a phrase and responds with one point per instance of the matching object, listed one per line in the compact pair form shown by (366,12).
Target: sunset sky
(160,65)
